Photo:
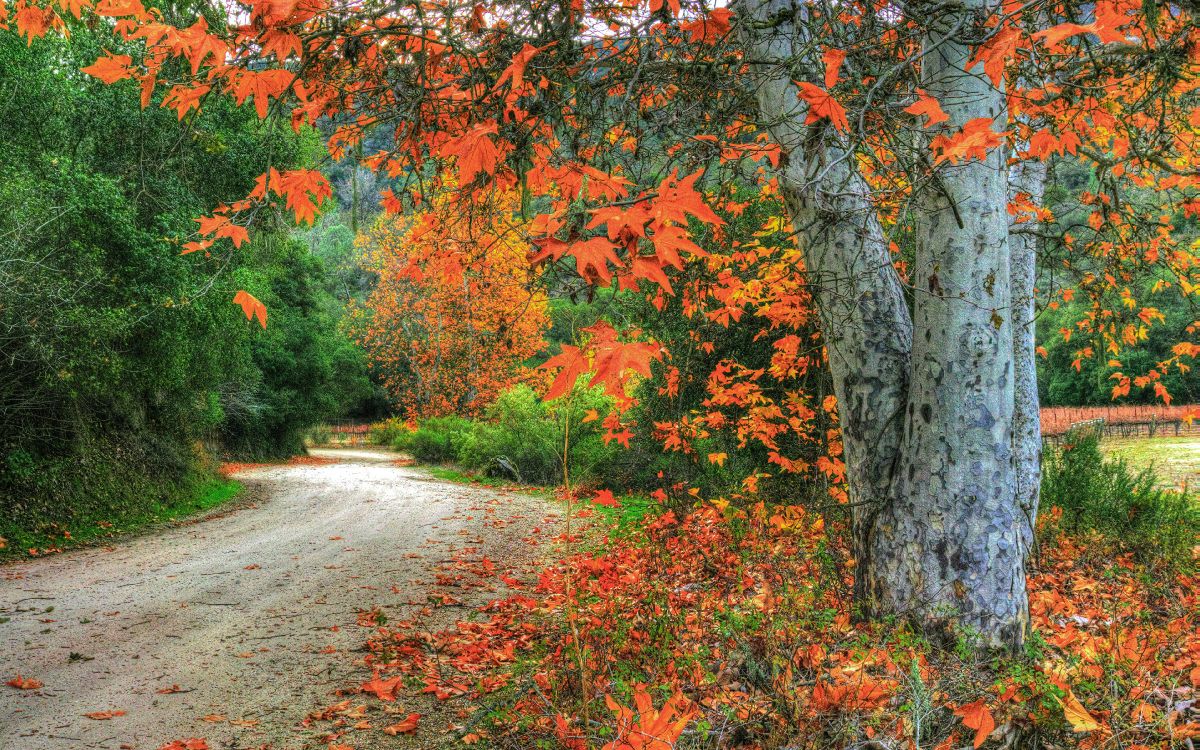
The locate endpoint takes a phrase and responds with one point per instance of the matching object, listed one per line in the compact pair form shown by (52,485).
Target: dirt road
(235,627)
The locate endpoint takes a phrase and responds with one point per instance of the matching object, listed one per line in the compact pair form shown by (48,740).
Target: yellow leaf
(717,458)
(1077,716)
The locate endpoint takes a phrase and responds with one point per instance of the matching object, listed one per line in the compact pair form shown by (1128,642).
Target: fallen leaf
(24,683)
(605,498)
(976,716)
(1077,716)
(408,725)
(104,715)
(385,689)
(194,743)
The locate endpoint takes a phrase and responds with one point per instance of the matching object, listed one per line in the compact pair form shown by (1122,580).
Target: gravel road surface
(233,628)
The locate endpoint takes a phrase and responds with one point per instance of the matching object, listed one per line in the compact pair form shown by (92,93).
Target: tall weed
(1108,497)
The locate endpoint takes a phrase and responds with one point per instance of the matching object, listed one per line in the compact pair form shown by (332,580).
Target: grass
(625,518)
(449,474)
(194,497)
(1175,459)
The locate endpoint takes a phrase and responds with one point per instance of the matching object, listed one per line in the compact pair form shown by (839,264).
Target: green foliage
(1108,497)
(524,437)
(389,432)
(1061,383)
(116,486)
(437,440)
(520,438)
(302,369)
(121,356)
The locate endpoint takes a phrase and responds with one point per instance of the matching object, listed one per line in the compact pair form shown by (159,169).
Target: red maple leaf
(976,716)
(251,306)
(822,105)
(384,689)
(408,725)
(928,107)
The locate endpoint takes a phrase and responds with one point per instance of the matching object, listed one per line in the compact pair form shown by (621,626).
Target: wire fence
(1123,421)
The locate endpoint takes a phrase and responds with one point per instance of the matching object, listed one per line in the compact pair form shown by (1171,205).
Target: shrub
(524,437)
(389,432)
(436,441)
(521,438)
(1108,497)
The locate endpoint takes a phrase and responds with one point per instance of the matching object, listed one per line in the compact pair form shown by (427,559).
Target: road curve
(251,614)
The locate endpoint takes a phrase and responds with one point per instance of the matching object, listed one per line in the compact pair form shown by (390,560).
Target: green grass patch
(450,474)
(627,518)
(192,497)
(1176,460)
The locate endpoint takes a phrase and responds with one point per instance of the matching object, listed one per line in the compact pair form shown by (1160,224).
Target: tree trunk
(926,401)
(1028,177)
(949,543)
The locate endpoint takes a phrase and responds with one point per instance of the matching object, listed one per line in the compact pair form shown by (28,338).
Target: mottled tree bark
(926,399)
(950,534)
(1028,177)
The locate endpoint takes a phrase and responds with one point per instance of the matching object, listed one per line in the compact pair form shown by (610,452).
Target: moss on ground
(197,495)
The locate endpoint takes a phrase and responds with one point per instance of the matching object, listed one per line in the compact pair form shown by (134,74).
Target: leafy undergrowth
(715,631)
(192,497)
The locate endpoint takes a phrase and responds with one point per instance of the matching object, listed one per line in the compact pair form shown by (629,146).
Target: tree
(453,317)
(889,128)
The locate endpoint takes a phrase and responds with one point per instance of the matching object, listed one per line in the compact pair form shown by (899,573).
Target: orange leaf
(996,52)
(833,59)
(261,86)
(110,68)
(182,99)
(408,725)
(515,72)
(252,307)
(972,142)
(573,363)
(976,716)
(104,715)
(1077,716)
(384,689)
(711,28)
(929,107)
(33,22)
(605,498)
(474,152)
(822,105)
(194,743)
(24,683)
